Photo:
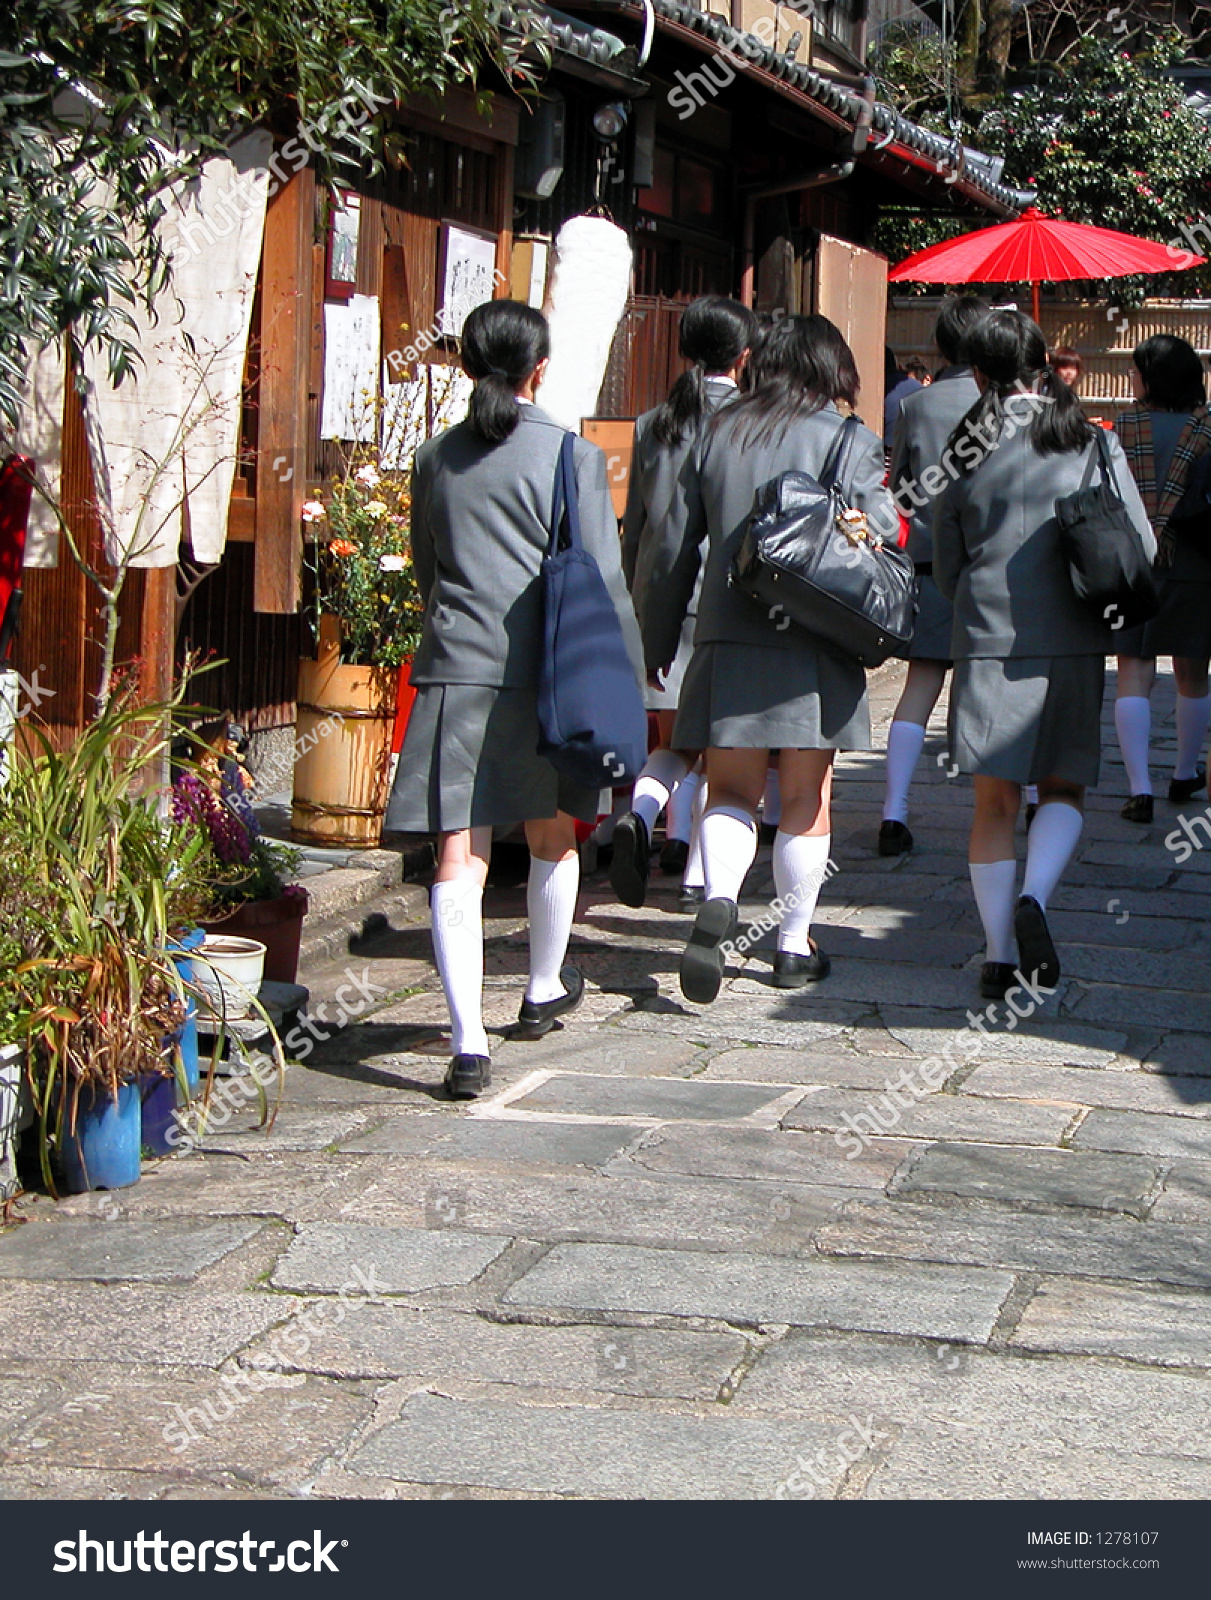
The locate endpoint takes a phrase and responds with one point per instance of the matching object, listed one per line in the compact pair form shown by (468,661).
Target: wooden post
(281,485)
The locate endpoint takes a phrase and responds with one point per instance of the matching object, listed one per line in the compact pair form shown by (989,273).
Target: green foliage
(909,64)
(164,85)
(363,568)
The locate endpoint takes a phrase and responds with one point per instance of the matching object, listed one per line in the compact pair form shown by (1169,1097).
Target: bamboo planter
(342,766)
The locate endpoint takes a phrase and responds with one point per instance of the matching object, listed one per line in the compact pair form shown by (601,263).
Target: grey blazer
(721,479)
(657,506)
(481,516)
(926,421)
(997,553)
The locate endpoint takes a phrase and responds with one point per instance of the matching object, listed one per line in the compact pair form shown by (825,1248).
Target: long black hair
(801,365)
(1011,353)
(1173,373)
(715,332)
(503,341)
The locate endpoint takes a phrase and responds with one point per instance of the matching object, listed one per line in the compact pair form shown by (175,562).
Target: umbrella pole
(1034,299)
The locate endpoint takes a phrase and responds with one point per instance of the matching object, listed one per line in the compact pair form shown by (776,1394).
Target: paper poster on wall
(351,352)
(413,411)
(468,274)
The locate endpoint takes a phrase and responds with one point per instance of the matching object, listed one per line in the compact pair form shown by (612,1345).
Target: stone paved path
(646,1266)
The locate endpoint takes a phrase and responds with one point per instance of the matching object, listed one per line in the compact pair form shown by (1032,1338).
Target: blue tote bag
(591,718)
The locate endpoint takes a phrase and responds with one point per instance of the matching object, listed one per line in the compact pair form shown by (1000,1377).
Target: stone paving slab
(1145,1134)
(661,1098)
(1119,1091)
(842,1063)
(136,1326)
(382,1342)
(325,1257)
(1181,1054)
(292,1130)
(1168,1329)
(1048,1039)
(599,1453)
(754,1017)
(1089,1179)
(120,1252)
(274,1430)
(1186,1196)
(629,1208)
(605,1051)
(937,1116)
(977,1234)
(520,1144)
(775,1156)
(937,1302)
(1121,1006)
(1134,968)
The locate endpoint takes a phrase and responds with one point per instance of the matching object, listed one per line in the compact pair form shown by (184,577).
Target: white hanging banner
(589,289)
(351,350)
(164,444)
(40,435)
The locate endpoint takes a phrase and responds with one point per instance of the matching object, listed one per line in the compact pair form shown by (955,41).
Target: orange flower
(343,547)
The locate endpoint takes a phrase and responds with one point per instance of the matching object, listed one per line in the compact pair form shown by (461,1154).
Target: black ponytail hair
(1010,351)
(715,332)
(800,366)
(503,341)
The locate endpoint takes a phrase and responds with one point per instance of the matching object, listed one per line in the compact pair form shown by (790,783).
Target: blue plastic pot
(103,1151)
(162,1096)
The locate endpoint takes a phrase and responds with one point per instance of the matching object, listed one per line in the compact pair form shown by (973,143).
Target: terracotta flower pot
(277,924)
(346,716)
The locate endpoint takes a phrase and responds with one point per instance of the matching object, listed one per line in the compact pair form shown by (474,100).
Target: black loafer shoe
(537,1017)
(1183,789)
(690,897)
(1037,960)
(1138,808)
(996,979)
(674,857)
(793,971)
(702,960)
(894,839)
(631,860)
(468,1076)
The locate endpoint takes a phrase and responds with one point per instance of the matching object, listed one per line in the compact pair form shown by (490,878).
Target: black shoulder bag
(1110,573)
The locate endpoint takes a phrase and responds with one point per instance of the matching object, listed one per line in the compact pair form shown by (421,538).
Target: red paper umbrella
(1034,249)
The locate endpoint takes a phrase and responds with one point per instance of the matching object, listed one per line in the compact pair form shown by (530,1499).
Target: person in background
(897,386)
(1030,661)
(481,508)
(716,335)
(917,369)
(1169,431)
(925,423)
(1067,365)
(753,687)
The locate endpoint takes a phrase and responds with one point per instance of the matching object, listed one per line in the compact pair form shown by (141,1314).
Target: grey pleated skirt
(1028,718)
(935,622)
(470,759)
(1182,626)
(668,698)
(753,697)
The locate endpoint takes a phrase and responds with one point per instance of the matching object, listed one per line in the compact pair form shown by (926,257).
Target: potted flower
(368,624)
(247,875)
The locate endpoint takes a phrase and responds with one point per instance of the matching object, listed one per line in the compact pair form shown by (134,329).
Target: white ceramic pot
(228,972)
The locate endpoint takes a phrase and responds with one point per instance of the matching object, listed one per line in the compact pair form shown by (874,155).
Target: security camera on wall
(540,150)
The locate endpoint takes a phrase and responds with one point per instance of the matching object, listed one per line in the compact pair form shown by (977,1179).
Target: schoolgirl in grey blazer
(481,520)
(1029,659)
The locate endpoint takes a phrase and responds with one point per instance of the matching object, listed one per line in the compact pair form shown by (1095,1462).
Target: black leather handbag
(814,563)
(1110,573)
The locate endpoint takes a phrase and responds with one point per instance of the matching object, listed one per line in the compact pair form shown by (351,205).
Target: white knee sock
(729,843)
(458,946)
(662,772)
(679,824)
(695,869)
(604,831)
(1192,716)
(771,800)
(551,904)
(800,864)
(1054,835)
(905,741)
(992,883)
(1133,722)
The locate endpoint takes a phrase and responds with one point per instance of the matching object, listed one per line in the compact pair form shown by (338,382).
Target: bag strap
(835,470)
(565,500)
